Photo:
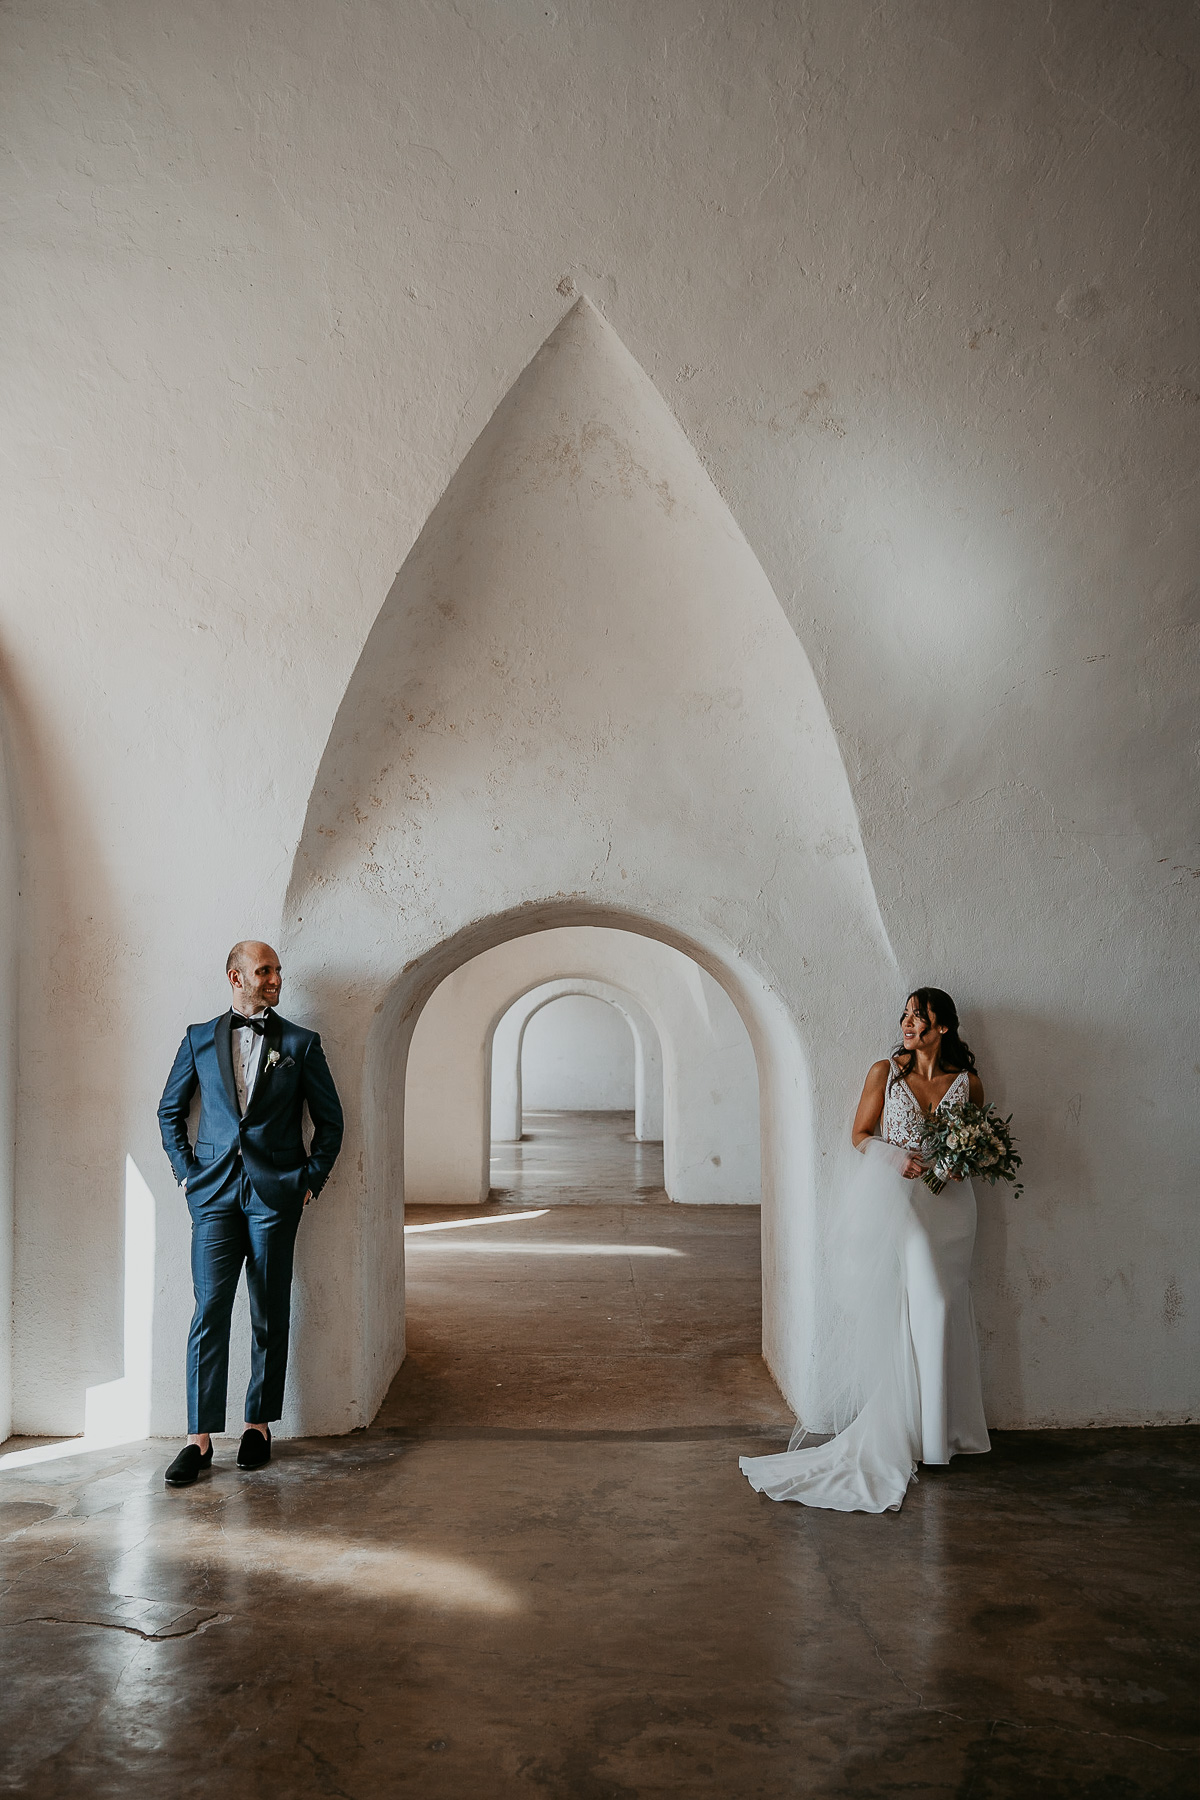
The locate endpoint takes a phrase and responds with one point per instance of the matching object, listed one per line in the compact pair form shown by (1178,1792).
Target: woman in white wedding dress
(901,1377)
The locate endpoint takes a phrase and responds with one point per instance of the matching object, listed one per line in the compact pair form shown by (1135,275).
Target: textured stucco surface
(918,287)
(541,732)
(10,882)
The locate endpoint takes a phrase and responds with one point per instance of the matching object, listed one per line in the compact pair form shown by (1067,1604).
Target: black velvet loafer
(190,1462)
(254,1449)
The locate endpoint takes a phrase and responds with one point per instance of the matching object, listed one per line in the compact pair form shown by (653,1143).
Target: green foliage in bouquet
(968,1142)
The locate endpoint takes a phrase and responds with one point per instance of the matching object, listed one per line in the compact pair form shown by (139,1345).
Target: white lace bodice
(902,1116)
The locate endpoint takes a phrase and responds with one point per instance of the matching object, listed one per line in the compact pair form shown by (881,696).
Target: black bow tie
(257,1026)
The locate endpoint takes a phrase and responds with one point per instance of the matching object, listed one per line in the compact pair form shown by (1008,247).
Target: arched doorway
(577,1093)
(576,1054)
(571,1291)
(583,1038)
(507,1052)
(710,1100)
(378,1153)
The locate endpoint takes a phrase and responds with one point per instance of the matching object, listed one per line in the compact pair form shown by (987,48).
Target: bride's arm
(870,1107)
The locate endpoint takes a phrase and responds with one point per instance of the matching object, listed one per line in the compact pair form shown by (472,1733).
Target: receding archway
(787,1265)
(577,1296)
(577,1054)
(508,1048)
(710,1129)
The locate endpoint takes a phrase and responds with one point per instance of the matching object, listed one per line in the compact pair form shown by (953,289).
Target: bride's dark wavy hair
(935,1006)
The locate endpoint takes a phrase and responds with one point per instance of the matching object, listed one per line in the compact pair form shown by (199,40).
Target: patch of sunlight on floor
(535,1172)
(43,1453)
(329,1561)
(554,1249)
(492,1219)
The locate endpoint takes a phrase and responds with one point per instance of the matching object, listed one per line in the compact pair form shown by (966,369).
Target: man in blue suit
(247,1180)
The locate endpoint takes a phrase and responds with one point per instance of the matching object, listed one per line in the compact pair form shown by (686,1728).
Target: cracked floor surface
(540,1573)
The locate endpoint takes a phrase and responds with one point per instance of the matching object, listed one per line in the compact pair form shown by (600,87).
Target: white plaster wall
(507,1122)
(10,878)
(577,1055)
(710,1095)
(919,287)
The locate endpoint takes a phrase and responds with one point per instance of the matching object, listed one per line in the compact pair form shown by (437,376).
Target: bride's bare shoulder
(877,1074)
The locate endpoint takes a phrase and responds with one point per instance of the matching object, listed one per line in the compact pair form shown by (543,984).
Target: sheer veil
(861,1296)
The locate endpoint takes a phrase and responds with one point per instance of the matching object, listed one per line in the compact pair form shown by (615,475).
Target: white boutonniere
(272,1059)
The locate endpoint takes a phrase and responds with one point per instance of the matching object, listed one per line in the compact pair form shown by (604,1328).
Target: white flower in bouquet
(972,1140)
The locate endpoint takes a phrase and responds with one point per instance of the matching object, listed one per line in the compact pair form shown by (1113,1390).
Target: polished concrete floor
(579,1297)
(577,1159)
(541,1574)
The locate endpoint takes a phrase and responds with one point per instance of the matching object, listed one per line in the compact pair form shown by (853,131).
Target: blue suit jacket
(268,1136)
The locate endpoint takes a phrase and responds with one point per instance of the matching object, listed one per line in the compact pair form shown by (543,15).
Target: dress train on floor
(908,1353)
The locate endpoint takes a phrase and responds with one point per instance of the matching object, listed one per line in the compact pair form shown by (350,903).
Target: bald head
(254,976)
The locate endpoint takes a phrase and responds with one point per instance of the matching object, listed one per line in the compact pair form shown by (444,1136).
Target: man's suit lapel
(272,1040)
(224,1049)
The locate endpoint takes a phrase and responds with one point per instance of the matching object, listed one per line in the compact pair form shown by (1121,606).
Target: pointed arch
(580,704)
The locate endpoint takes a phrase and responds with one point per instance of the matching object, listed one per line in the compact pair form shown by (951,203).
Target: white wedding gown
(907,1259)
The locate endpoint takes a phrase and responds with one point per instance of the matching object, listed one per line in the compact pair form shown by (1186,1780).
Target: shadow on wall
(118,1412)
(1016,1302)
(62,1113)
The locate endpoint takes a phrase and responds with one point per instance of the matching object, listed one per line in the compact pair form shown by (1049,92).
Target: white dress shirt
(247,1049)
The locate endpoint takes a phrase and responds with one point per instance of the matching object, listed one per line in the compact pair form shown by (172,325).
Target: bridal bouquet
(970,1141)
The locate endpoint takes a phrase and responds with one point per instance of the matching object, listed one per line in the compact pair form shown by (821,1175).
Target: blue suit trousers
(231,1228)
